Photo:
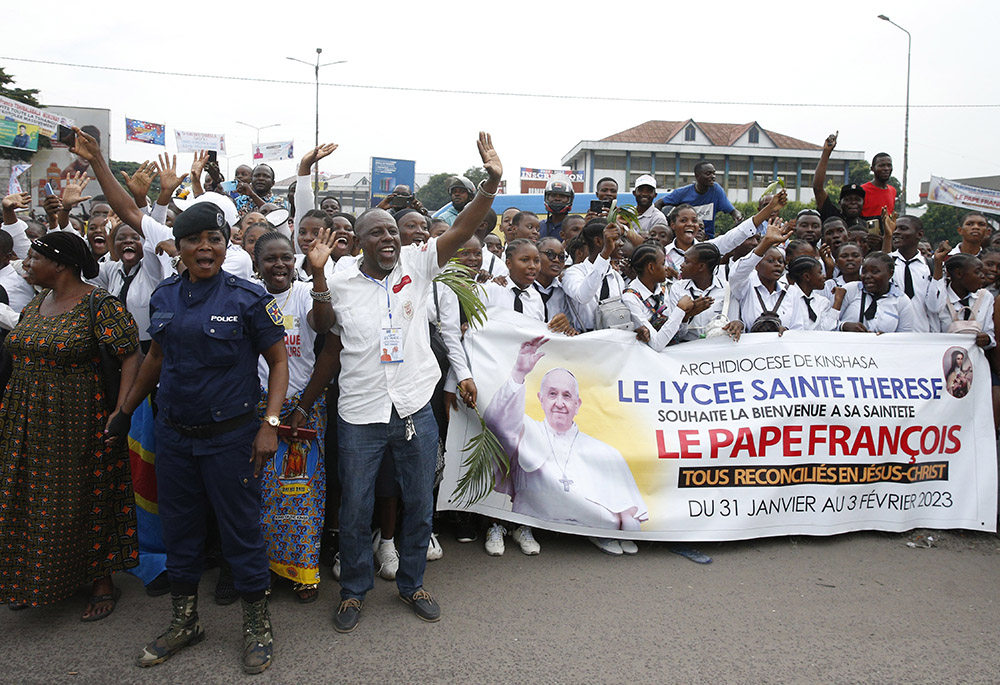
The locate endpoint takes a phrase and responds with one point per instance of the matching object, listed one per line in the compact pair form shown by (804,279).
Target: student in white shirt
(754,282)
(647,300)
(594,279)
(847,259)
(807,278)
(387,376)
(700,277)
(962,298)
(875,304)
(911,273)
(552,259)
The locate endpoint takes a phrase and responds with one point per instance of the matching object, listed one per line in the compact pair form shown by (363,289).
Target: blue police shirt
(706,204)
(212,333)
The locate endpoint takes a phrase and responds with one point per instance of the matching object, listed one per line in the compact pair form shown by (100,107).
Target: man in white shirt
(645,193)
(388,374)
(558,473)
(594,279)
(911,273)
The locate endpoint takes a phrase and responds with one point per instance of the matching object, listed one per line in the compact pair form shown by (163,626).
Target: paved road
(853,608)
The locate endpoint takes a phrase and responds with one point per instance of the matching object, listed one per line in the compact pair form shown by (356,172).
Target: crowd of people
(216,319)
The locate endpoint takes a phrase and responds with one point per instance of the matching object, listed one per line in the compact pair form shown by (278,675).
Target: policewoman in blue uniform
(208,329)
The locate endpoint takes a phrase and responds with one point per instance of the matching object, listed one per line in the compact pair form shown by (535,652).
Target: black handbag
(110,369)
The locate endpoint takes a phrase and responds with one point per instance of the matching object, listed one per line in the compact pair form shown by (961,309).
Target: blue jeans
(362,448)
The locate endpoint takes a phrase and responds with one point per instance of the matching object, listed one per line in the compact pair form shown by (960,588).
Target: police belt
(210,430)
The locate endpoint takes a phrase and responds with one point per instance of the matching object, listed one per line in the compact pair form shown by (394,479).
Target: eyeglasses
(552,256)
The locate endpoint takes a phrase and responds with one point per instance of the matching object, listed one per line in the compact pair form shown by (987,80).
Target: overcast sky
(763,52)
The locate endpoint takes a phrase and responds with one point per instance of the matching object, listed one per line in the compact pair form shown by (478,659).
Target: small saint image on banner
(265,152)
(145,132)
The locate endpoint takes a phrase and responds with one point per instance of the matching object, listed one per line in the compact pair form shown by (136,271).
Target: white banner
(265,152)
(956,194)
(806,434)
(189,141)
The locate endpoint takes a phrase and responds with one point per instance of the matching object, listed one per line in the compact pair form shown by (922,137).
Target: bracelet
(301,411)
(321,296)
(483,190)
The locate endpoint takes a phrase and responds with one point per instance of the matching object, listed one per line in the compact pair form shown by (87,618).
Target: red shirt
(876,198)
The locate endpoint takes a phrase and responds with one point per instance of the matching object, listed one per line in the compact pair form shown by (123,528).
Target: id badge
(391,345)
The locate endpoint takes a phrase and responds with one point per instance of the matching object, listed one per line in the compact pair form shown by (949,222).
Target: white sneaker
(336,566)
(494,540)
(607,546)
(388,559)
(629,547)
(522,535)
(434,551)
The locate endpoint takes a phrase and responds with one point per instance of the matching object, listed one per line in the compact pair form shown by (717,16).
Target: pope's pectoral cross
(566,482)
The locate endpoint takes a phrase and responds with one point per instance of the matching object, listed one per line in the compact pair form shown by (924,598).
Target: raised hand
(139,183)
(888,220)
(198,163)
(527,357)
(491,160)
(777,232)
(113,222)
(778,201)
(169,180)
(17,201)
(86,146)
(831,141)
(72,194)
(52,205)
(322,248)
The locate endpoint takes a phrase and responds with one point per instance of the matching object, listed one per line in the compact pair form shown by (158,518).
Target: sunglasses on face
(553,256)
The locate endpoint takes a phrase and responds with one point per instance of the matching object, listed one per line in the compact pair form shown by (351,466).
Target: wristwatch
(272,421)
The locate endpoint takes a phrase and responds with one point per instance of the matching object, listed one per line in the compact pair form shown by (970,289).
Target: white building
(747,158)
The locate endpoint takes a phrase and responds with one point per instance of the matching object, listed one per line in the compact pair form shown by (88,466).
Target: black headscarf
(69,249)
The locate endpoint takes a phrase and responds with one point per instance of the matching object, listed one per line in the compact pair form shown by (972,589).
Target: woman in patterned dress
(67,513)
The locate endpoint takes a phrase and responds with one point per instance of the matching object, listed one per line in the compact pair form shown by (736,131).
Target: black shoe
(423,605)
(347,616)
(465,530)
(158,586)
(225,590)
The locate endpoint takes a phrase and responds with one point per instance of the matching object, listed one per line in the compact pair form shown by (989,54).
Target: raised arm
(123,205)
(819,176)
(139,183)
(469,218)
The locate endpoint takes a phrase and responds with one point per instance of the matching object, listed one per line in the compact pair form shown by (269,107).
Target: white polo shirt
(369,388)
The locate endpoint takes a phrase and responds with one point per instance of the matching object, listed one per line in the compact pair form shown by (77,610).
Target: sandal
(305,593)
(98,599)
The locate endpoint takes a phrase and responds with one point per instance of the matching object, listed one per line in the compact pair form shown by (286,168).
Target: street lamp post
(257,128)
(317,66)
(906,127)
(229,157)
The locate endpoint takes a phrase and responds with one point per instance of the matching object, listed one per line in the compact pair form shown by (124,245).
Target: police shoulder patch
(274,311)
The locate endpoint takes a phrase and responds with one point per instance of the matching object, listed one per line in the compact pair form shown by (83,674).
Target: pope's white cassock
(568,477)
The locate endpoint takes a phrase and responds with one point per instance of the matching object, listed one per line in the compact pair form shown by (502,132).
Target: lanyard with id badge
(390,337)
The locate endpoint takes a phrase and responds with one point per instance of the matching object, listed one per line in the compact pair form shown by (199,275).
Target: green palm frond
(462,281)
(777,185)
(627,212)
(484,455)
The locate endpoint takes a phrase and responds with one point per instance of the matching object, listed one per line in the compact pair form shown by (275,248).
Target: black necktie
(966,311)
(812,314)
(123,294)
(518,305)
(872,309)
(908,278)
(545,298)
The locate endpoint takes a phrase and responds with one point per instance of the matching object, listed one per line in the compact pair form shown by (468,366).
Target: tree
(434,194)
(941,223)
(859,172)
(25,95)
(475,174)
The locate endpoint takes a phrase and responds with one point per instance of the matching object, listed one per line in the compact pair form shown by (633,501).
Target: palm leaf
(777,185)
(462,281)
(484,455)
(627,212)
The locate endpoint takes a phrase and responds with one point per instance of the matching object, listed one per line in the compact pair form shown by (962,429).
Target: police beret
(203,216)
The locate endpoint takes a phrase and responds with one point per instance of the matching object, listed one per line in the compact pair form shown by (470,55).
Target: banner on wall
(805,434)
(190,141)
